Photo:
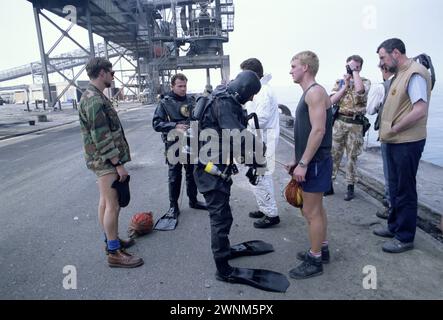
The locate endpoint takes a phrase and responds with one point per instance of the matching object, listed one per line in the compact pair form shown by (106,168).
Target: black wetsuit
(171,111)
(223,113)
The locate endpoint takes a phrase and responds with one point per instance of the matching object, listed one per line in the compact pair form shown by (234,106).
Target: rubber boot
(350,194)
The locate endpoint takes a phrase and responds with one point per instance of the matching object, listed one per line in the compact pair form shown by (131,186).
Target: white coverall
(265,105)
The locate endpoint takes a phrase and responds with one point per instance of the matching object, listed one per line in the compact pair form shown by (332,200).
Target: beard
(394,67)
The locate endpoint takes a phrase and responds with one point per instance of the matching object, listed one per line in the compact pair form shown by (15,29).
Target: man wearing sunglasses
(106,152)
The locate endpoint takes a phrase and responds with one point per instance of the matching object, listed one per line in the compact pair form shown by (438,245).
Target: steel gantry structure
(161,36)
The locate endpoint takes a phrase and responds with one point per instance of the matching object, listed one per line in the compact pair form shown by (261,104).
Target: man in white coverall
(265,106)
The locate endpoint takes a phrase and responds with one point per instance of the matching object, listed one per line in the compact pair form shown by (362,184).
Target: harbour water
(433,151)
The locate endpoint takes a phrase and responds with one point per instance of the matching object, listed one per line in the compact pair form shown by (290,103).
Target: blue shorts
(318,176)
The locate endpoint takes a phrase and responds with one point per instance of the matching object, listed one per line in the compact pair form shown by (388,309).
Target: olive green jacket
(103,135)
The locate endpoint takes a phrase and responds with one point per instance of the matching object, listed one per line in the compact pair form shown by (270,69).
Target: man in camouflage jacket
(106,152)
(351,95)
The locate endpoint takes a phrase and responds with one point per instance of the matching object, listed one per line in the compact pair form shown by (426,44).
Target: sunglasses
(112,72)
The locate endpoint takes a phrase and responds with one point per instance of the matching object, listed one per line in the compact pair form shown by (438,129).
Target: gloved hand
(252,175)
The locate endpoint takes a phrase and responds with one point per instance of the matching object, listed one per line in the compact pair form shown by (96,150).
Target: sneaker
(256,214)
(266,222)
(383,232)
(122,259)
(325,257)
(310,267)
(396,246)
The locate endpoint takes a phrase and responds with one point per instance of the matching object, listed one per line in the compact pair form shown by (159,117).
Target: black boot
(195,204)
(350,194)
(256,214)
(330,191)
(266,222)
(223,269)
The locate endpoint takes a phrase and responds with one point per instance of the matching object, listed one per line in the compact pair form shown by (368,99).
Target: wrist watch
(119,163)
(302,164)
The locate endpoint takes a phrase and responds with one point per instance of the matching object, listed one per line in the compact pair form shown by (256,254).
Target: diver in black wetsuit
(223,110)
(173,113)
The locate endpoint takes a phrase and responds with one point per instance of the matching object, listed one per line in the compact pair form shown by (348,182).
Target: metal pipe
(218,11)
(174,26)
(60,39)
(46,85)
(91,39)
(68,58)
(138,71)
(66,78)
(71,82)
(208,77)
(125,85)
(66,35)
(109,90)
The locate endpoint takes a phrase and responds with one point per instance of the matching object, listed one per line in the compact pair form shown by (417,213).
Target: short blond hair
(310,59)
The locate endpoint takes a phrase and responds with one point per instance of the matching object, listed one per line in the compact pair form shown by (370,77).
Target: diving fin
(250,248)
(266,280)
(168,222)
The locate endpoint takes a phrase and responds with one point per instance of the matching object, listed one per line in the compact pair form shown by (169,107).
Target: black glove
(252,175)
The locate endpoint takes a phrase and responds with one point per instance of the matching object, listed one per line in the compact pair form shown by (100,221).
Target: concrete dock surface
(48,220)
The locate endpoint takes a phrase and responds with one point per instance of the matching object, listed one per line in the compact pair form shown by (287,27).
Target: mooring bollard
(42,118)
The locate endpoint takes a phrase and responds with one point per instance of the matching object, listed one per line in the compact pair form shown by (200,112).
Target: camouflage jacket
(353,103)
(103,135)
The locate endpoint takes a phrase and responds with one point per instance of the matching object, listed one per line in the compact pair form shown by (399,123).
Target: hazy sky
(273,31)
